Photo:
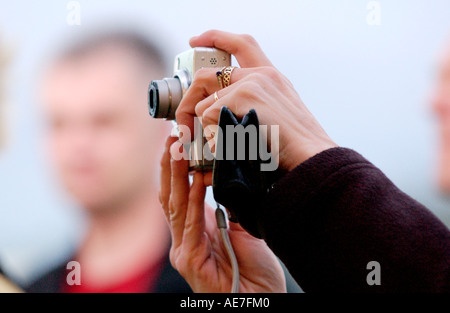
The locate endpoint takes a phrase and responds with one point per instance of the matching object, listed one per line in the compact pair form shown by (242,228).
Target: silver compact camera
(164,96)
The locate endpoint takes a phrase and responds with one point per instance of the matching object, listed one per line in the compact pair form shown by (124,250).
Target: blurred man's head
(102,140)
(441,105)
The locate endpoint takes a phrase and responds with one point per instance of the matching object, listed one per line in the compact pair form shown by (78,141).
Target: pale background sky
(368,86)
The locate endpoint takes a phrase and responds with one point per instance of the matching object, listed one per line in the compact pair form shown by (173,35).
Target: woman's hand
(197,251)
(256,85)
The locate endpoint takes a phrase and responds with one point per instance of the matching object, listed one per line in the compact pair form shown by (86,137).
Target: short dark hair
(147,50)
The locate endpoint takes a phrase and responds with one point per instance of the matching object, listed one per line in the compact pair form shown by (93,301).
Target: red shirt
(142,282)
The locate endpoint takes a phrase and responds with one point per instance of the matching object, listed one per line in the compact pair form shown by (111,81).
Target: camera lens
(153,100)
(164,96)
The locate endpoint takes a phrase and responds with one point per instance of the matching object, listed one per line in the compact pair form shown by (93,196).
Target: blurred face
(101,139)
(441,105)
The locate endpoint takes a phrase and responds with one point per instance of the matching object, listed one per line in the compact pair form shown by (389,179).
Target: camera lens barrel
(164,96)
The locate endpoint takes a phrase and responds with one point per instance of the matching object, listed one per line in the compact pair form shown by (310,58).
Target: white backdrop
(367,84)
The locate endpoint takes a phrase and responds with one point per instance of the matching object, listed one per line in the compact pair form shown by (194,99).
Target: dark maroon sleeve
(334,213)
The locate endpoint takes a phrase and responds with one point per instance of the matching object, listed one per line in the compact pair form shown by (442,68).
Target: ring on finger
(226,75)
(219,75)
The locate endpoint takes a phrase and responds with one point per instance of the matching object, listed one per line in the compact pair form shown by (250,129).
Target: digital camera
(164,96)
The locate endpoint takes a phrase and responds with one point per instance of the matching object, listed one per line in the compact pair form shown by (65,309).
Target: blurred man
(441,104)
(106,150)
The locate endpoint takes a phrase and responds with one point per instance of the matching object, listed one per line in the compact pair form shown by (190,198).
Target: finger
(164,193)
(204,84)
(195,217)
(250,82)
(222,94)
(244,47)
(179,196)
(207,179)
(240,98)
(210,220)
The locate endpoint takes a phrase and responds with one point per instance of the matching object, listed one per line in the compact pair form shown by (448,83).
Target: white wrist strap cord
(222,225)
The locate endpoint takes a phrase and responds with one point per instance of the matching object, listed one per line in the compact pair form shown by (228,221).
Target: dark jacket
(168,281)
(336,212)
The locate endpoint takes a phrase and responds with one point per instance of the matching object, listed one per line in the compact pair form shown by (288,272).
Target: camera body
(164,96)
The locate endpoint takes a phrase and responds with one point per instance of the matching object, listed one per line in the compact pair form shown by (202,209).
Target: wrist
(300,152)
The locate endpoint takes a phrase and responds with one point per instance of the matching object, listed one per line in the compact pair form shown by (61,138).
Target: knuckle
(200,108)
(209,115)
(250,89)
(212,33)
(206,118)
(206,115)
(164,205)
(172,213)
(248,39)
(272,73)
(181,265)
(173,258)
(203,74)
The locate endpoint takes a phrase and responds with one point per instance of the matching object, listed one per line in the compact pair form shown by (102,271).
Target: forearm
(336,212)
